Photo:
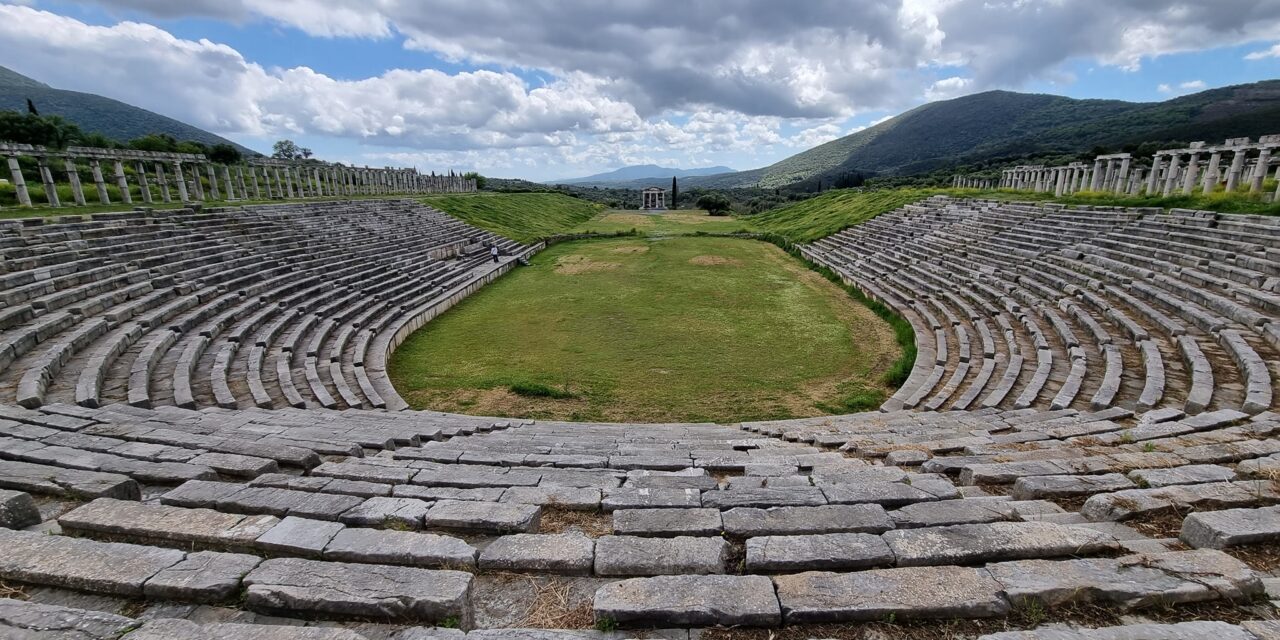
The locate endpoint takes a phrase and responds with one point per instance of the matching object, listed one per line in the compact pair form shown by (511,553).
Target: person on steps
(493,251)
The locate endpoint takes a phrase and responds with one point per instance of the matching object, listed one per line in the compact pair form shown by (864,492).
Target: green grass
(833,211)
(830,212)
(524,217)
(670,223)
(652,329)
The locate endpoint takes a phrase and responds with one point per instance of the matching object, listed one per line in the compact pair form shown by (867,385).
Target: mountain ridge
(636,172)
(114,119)
(991,125)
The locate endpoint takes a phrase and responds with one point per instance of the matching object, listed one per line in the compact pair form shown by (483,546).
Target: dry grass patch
(12,592)
(593,524)
(575,265)
(1264,558)
(631,249)
(714,261)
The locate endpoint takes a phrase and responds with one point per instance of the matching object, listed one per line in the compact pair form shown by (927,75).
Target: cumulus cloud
(623,77)
(1273,52)
(1183,87)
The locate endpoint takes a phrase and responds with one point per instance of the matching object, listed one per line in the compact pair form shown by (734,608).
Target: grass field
(808,220)
(652,329)
(524,217)
(682,222)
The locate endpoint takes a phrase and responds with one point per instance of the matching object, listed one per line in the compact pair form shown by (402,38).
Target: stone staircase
(234,520)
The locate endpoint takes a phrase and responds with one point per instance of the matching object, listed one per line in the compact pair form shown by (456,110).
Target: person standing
(493,251)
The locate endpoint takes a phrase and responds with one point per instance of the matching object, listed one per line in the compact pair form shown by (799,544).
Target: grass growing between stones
(524,217)
(678,329)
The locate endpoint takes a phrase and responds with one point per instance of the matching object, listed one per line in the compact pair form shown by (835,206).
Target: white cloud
(1189,86)
(947,88)
(1273,52)
(624,78)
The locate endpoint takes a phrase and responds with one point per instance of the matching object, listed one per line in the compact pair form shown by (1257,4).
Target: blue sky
(546,89)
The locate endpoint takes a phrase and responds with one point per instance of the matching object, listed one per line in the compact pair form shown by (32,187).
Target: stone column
(144,185)
(121,182)
(1260,173)
(195,180)
(1209,180)
(214,192)
(244,189)
(164,182)
(1096,183)
(180,177)
(19,184)
(1156,161)
(98,182)
(1277,196)
(257,188)
(1237,167)
(46,178)
(73,176)
(1122,181)
(1139,179)
(226,180)
(288,181)
(1189,180)
(1171,176)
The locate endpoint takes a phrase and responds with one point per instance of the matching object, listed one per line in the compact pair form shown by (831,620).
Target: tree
(161,143)
(27,128)
(675,194)
(224,153)
(285,150)
(31,108)
(715,203)
(481,181)
(305,152)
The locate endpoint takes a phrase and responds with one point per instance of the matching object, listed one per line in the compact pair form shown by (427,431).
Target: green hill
(94,113)
(1004,124)
(524,217)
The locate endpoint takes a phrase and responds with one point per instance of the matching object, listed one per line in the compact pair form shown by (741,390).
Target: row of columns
(1174,171)
(184,177)
(967,182)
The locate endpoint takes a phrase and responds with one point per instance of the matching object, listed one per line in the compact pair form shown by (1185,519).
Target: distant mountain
(1004,124)
(643,172)
(94,113)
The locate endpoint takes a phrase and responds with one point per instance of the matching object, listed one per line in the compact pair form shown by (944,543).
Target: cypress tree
(675,194)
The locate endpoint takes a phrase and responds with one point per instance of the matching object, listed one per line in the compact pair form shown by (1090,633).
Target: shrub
(538,390)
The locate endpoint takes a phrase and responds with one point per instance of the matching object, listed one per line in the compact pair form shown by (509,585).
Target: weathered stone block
(634,556)
(906,594)
(689,601)
(562,554)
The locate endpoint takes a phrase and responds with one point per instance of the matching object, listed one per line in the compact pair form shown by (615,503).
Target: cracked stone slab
(1131,581)
(299,536)
(407,548)
(384,511)
(484,516)
(953,512)
(22,620)
(1231,527)
(1189,474)
(570,498)
(83,565)
(636,556)
(204,576)
(666,522)
(45,479)
(970,543)
(904,593)
(560,554)
(825,552)
(1032,487)
(1123,505)
(160,522)
(779,521)
(342,589)
(689,601)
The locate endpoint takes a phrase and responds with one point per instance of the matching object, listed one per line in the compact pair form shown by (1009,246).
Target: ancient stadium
(971,364)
